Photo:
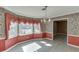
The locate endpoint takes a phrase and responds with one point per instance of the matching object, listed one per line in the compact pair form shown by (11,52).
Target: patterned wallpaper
(49,27)
(2,24)
(72,23)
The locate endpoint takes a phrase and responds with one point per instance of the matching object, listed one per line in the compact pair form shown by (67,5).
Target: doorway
(60,30)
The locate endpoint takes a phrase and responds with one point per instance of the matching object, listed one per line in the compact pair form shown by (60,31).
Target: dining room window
(37,28)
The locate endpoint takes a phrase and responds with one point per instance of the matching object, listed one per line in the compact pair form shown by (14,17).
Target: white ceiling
(36,12)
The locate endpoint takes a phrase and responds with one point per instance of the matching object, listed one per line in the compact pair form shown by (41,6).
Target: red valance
(25,20)
(9,18)
(36,21)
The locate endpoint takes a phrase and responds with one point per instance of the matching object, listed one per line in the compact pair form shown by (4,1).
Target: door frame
(61,19)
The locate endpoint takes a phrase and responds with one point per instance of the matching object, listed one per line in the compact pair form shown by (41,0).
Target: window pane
(13,29)
(25,28)
(37,28)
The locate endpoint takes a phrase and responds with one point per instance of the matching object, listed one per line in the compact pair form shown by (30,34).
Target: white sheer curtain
(28,28)
(37,28)
(25,28)
(13,29)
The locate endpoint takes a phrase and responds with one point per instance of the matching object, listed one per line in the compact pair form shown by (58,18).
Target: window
(25,28)
(37,28)
(13,29)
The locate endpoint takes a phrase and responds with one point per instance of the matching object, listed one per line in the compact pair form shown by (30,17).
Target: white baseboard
(72,45)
